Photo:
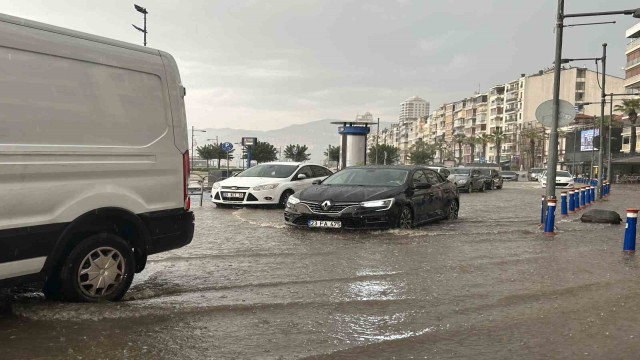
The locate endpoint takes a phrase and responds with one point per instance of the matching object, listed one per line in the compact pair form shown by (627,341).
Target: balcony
(632,82)
(632,63)
(633,45)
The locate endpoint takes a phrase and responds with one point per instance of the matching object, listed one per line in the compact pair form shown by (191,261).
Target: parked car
(375,197)
(492,178)
(95,160)
(445,172)
(563,180)
(534,173)
(267,184)
(468,179)
(509,175)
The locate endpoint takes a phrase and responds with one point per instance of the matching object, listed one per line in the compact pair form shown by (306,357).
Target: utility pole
(609,138)
(553,136)
(377,141)
(144,12)
(602,105)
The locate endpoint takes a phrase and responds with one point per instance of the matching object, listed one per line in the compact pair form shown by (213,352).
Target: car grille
(336,208)
(235,188)
(562,184)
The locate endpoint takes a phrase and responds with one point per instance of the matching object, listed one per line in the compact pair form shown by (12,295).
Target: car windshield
(269,171)
(460,171)
(508,173)
(562,174)
(485,171)
(534,170)
(368,177)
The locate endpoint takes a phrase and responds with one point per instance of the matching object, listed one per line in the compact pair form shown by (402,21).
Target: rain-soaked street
(490,285)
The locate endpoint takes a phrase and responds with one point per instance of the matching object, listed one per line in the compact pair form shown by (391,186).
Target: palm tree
(533,135)
(472,141)
(440,144)
(484,139)
(459,139)
(497,136)
(629,107)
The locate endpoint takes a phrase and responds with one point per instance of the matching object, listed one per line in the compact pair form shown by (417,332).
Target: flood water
(490,285)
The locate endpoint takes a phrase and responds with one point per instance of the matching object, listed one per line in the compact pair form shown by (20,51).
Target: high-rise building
(632,78)
(410,111)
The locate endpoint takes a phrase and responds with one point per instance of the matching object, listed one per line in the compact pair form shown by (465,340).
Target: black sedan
(374,197)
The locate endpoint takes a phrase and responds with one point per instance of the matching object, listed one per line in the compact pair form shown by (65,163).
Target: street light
(144,12)
(193,130)
(553,136)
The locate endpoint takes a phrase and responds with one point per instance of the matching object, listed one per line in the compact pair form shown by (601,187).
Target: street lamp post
(193,130)
(144,13)
(553,136)
(601,132)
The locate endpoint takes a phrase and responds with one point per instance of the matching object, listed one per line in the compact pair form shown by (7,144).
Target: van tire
(106,248)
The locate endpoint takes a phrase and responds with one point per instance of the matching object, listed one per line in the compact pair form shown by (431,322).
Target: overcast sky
(270,63)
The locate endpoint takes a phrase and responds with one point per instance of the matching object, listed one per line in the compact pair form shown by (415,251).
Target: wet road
(487,286)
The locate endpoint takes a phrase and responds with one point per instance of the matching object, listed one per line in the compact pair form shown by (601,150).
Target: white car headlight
(292,200)
(265,187)
(380,204)
(216,185)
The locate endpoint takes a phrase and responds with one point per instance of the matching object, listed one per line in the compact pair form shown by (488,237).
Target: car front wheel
(405,220)
(452,212)
(99,268)
(284,198)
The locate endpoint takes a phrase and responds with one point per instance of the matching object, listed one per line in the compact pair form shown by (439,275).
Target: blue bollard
(572,201)
(582,198)
(549,223)
(576,199)
(563,203)
(630,231)
(542,211)
(593,194)
(587,196)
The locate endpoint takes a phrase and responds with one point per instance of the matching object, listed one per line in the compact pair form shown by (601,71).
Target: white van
(93,160)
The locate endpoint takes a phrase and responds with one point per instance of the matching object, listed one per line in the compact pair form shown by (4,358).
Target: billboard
(586,139)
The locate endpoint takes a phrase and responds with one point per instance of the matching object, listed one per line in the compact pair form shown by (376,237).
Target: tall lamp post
(144,12)
(553,136)
(193,130)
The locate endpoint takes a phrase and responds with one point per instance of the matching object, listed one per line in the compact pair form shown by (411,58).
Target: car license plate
(233,195)
(324,224)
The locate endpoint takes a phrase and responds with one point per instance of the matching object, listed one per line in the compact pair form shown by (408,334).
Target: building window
(580,85)
(579,96)
(582,73)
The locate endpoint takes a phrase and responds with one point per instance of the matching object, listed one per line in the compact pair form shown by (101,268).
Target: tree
(459,139)
(629,107)
(421,153)
(263,152)
(472,141)
(484,139)
(296,152)
(333,153)
(533,135)
(379,150)
(207,152)
(221,154)
(439,144)
(498,136)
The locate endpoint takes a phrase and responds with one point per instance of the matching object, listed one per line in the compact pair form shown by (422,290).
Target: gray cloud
(267,64)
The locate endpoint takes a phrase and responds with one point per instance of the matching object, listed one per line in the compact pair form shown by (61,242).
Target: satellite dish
(566,113)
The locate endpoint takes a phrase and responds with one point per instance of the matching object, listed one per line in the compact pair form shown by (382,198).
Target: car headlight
(292,200)
(216,185)
(378,204)
(462,181)
(265,187)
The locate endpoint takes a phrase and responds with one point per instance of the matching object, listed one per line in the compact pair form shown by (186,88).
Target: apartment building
(411,110)
(632,78)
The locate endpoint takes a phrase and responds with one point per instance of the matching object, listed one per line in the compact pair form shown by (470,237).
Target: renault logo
(326,205)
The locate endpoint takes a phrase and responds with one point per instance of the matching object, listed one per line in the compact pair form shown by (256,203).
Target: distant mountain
(317,135)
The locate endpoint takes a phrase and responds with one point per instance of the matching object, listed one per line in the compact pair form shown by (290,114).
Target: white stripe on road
(21,267)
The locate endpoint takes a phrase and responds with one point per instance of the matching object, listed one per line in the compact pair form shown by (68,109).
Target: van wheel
(284,198)
(99,268)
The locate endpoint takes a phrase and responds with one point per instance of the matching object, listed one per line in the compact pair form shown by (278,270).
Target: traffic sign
(227,146)
(482,160)
(295,150)
(566,113)
(249,141)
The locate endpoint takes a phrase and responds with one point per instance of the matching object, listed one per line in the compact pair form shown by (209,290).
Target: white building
(410,111)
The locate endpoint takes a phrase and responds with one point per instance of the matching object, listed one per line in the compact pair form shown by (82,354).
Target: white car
(267,184)
(444,172)
(564,179)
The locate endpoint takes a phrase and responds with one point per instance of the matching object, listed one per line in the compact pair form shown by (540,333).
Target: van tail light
(186,172)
